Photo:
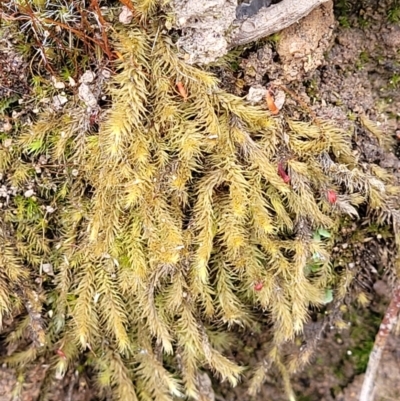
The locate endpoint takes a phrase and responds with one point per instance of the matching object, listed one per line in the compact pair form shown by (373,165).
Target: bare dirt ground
(345,69)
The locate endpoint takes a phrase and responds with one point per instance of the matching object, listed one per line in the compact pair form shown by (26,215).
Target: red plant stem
(389,320)
(32,17)
(129,4)
(95,5)
(281,171)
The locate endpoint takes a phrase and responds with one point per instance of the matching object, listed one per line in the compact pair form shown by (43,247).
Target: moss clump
(187,213)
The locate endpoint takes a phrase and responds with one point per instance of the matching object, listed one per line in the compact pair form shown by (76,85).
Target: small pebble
(48,268)
(7,127)
(59,101)
(59,85)
(106,73)
(87,77)
(50,209)
(29,193)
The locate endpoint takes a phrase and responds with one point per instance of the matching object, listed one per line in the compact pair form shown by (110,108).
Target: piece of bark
(271,20)
(389,321)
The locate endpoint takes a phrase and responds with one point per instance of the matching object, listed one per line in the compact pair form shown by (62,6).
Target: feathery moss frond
(113,374)
(155,378)
(85,317)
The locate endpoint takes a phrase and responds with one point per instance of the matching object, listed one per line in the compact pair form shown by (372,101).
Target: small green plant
(7,103)
(343,11)
(363,59)
(275,38)
(343,7)
(365,326)
(393,14)
(361,355)
(363,23)
(312,90)
(394,81)
(344,21)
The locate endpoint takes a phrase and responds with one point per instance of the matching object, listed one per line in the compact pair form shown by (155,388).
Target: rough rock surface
(209,28)
(301,46)
(204,24)
(300,50)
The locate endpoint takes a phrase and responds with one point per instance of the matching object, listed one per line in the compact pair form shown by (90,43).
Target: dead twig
(71,386)
(103,25)
(272,19)
(26,13)
(389,320)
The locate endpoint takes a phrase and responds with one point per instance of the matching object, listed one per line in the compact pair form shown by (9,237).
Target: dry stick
(71,386)
(389,320)
(270,20)
(103,23)
(300,101)
(50,21)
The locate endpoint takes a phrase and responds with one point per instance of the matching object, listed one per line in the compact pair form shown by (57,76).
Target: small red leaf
(61,354)
(282,173)
(258,286)
(182,91)
(271,103)
(332,196)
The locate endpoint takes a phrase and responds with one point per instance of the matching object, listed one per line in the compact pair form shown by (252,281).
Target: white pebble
(87,77)
(50,209)
(59,85)
(48,268)
(29,193)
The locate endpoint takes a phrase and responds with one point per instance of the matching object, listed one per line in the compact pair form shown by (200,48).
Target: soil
(340,71)
(72,387)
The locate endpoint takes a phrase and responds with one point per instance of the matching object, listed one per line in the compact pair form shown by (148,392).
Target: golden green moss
(171,224)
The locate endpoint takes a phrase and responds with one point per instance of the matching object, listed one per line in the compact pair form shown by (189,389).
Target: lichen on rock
(204,24)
